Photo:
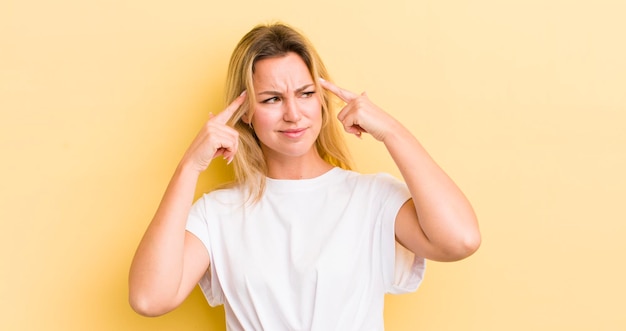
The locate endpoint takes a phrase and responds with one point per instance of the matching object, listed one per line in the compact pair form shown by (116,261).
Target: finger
(353,128)
(344,95)
(227,143)
(228,112)
(226,148)
(229,155)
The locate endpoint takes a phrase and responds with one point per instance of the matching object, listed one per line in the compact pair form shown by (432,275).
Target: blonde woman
(299,241)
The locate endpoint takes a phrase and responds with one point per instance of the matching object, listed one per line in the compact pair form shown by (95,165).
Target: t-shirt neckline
(302,184)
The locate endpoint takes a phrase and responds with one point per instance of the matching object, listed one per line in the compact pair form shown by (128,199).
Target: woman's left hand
(360,114)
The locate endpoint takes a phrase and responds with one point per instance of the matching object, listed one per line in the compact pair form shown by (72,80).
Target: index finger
(228,112)
(344,95)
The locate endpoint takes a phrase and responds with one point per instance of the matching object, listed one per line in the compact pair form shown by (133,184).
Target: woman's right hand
(215,138)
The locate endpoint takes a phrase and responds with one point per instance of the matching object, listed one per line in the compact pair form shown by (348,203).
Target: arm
(169,261)
(438,223)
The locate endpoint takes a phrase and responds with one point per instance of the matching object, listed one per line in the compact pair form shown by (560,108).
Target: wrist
(187,167)
(394,133)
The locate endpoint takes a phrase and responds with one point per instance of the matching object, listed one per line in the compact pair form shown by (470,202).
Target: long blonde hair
(267,41)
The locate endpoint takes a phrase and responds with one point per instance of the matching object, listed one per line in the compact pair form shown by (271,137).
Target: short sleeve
(408,271)
(403,271)
(197,225)
(197,222)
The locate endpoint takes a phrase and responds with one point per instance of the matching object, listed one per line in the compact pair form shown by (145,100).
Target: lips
(293,133)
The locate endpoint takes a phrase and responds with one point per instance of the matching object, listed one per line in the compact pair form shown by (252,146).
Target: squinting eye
(270,100)
(308,94)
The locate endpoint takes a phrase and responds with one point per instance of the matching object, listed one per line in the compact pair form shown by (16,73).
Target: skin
(287,118)
(438,223)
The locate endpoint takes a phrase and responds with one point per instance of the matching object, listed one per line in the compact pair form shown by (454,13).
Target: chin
(290,152)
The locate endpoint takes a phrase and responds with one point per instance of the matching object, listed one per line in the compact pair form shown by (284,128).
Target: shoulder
(226,197)
(378,186)
(378,178)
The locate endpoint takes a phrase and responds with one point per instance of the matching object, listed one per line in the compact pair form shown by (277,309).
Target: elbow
(459,248)
(471,244)
(465,246)
(147,306)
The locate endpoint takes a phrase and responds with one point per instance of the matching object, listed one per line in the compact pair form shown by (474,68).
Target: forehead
(282,71)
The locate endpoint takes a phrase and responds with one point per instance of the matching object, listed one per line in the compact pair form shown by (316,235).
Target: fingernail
(322,79)
(242,93)
(229,161)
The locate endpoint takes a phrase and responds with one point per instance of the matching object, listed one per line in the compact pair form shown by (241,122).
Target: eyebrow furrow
(303,88)
(298,90)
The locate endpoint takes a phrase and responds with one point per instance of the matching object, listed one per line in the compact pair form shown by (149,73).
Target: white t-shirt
(312,254)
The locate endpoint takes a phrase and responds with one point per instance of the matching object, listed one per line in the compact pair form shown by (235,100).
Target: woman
(299,241)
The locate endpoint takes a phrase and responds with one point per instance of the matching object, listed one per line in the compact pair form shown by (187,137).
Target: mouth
(293,133)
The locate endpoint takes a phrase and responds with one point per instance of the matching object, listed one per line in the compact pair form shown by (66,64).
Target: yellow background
(522,102)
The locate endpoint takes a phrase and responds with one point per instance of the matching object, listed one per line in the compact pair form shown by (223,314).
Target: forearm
(445,216)
(442,224)
(157,268)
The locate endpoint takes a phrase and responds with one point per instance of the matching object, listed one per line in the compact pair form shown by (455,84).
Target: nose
(291,112)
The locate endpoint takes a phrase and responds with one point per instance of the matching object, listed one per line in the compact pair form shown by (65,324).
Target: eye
(271,100)
(308,94)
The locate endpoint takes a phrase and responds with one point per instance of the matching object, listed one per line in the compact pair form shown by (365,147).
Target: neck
(297,168)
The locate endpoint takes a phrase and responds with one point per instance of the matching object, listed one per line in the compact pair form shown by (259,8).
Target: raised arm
(438,223)
(169,261)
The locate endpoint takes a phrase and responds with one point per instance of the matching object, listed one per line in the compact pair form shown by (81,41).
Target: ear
(245,118)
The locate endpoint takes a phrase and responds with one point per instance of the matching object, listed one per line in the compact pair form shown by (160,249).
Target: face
(287,115)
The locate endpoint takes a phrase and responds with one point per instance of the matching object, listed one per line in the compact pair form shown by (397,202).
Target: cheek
(264,118)
(312,109)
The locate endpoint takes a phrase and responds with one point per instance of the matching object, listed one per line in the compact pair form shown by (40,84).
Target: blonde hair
(267,41)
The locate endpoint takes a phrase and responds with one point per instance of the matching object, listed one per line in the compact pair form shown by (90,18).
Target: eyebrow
(298,90)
